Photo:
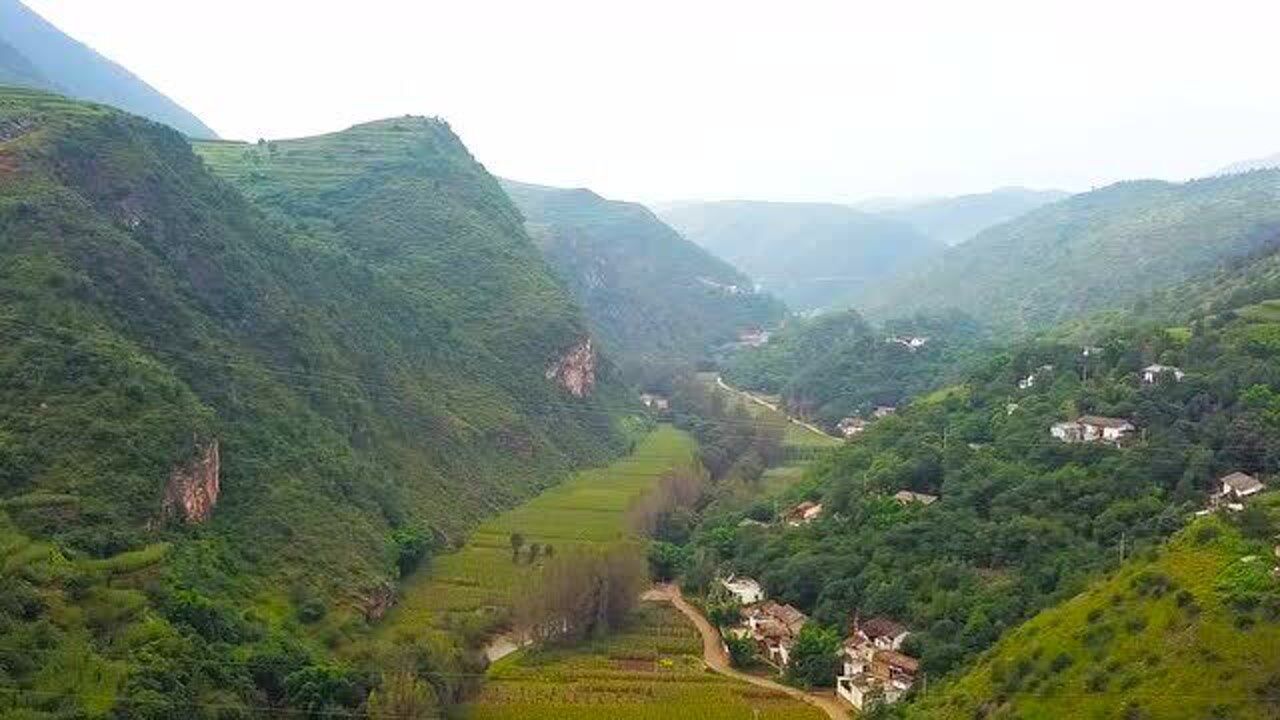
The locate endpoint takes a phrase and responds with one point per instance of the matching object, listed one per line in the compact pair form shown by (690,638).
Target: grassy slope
(366,387)
(588,508)
(1167,654)
(651,669)
(1096,250)
(642,285)
(954,220)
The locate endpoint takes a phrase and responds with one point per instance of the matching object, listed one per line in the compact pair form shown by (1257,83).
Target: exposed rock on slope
(192,490)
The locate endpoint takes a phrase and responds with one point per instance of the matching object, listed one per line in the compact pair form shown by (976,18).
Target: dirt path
(714,655)
(761,401)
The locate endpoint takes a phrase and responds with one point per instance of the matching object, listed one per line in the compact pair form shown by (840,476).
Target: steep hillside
(812,255)
(954,220)
(34,53)
(651,295)
(1097,250)
(225,435)
(1190,630)
(1020,520)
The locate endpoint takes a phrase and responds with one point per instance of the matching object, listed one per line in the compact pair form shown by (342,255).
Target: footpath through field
(717,659)
(752,397)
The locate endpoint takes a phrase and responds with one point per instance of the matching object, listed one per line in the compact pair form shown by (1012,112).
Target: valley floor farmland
(589,508)
(650,669)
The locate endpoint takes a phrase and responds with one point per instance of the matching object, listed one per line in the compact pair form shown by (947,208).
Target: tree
(742,652)
(534,551)
(665,560)
(517,542)
(815,658)
(402,696)
(583,593)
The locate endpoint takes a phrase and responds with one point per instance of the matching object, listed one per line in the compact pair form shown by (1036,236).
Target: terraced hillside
(225,433)
(1189,632)
(651,296)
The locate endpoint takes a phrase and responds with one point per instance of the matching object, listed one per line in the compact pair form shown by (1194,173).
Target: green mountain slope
(226,433)
(34,53)
(1190,631)
(954,220)
(651,295)
(1022,520)
(812,255)
(1096,250)
(837,364)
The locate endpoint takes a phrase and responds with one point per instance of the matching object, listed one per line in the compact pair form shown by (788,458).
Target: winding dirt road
(714,655)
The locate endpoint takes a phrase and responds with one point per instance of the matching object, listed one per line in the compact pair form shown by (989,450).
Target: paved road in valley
(714,655)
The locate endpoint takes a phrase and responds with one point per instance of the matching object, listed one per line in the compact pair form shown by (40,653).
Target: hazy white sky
(794,100)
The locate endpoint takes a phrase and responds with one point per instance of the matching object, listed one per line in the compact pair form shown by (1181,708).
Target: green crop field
(588,508)
(1265,311)
(650,669)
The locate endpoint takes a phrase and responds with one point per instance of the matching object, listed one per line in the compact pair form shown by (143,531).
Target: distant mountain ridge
(650,294)
(1094,251)
(812,255)
(34,53)
(953,220)
(1268,162)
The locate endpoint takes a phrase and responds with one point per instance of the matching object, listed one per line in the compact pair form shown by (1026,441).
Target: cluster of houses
(1092,429)
(853,426)
(873,668)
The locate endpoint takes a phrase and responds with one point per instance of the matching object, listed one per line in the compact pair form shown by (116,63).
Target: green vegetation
(368,344)
(476,587)
(652,668)
(653,298)
(1023,521)
(1171,634)
(35,54)
(811,255)
(837,364)
(1097,250)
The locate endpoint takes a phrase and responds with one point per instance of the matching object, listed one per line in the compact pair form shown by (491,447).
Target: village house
(1238,486)
(744,589)
(1029,381)
(911,343)
(753,337)
(1092,428)
(882,411)
(873,669)
(851,426)
(774,628)
(907,497)
(657,402)
(1151,374)
(803,514)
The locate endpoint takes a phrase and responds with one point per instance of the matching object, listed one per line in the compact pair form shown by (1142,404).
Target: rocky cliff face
(193,487)
(575,371)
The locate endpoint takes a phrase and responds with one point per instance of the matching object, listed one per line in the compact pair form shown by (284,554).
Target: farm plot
(587,509)
(650,669)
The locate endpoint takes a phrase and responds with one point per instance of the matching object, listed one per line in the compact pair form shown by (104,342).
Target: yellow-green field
(588,508)
(651,669)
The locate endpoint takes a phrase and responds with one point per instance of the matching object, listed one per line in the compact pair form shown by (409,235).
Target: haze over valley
(499,361)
